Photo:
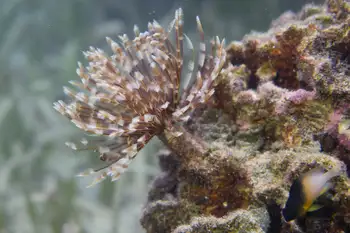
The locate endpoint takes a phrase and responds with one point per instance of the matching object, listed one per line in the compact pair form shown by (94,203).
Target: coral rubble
(280,110)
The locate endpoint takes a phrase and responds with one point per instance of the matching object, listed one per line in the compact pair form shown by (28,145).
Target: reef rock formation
(280,109)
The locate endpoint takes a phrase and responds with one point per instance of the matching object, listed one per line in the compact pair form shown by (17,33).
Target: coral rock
(279,102)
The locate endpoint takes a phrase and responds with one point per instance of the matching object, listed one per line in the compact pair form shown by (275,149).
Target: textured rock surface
(281,111)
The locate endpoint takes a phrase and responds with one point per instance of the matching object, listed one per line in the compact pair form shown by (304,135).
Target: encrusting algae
(253,118)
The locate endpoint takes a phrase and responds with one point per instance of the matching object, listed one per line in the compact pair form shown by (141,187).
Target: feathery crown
(129,97)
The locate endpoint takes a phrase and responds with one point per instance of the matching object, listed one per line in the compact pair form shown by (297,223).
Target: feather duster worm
(129,97)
